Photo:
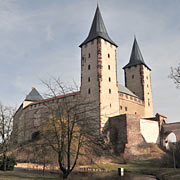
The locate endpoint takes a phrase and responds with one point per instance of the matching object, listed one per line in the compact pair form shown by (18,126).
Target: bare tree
(6,122)
(71,124)
(175,75)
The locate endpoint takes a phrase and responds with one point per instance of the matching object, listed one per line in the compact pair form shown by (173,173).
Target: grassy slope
(19,175)
(146,167)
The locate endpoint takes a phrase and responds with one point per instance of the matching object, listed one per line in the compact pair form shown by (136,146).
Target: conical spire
(136,56)
(98,29)
(33,96)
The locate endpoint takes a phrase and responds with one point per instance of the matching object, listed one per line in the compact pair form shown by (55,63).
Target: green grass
(145,167)
(19,175)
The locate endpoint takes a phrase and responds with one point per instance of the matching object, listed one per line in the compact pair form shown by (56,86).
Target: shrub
(10,163)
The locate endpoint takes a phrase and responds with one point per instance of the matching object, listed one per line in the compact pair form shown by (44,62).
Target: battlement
(130,98)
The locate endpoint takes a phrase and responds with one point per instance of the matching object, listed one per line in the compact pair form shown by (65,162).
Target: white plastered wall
(149,130)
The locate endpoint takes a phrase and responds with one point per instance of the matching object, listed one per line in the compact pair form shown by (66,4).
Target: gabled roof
(33,96)
(125,90)
(98,29)
(136,56)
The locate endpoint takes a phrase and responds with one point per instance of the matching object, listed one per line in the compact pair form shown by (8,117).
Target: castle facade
(127,109)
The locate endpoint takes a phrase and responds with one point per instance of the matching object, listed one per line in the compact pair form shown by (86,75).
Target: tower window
(89,91)
(121,107)
(133,76)
(109,67)
(126,108)
(147,85)
(135,113)
(89,55)
(108,55)
(89,79)
(110,105)
(89,67)
(109,79)
(146,77)
(109,91)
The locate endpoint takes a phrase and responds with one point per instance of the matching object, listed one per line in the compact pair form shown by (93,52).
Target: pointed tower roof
(136,56)
(98,29)
(33,96)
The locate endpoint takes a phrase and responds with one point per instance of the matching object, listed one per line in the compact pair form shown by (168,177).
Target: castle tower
(138,78)
(99,72)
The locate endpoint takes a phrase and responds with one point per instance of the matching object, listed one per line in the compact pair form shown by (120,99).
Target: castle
(128,109)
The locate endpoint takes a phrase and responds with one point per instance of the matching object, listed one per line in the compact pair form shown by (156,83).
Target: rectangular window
(126,108)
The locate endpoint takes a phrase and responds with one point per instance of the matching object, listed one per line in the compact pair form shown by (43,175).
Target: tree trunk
(4,162)
(65,175)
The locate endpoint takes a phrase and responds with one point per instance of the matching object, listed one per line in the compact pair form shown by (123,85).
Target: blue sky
(40,39)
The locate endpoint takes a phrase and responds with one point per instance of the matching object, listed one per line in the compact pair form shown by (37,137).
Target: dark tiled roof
(33,96)
(98,29)
(136,56)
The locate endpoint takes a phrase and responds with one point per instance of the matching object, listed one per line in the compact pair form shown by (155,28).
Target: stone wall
(131,105)
(125,132)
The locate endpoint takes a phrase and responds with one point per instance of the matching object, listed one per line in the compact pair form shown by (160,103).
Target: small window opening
(108,55)
(133,76)
(89,67)
(109,91)
(109,67)
(89,55)
(109,79)
(126,108)
(110,105)
(121,107)
(89,79)
(89,91)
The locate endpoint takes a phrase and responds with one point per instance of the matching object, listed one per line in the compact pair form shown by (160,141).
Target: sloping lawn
(20,175)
